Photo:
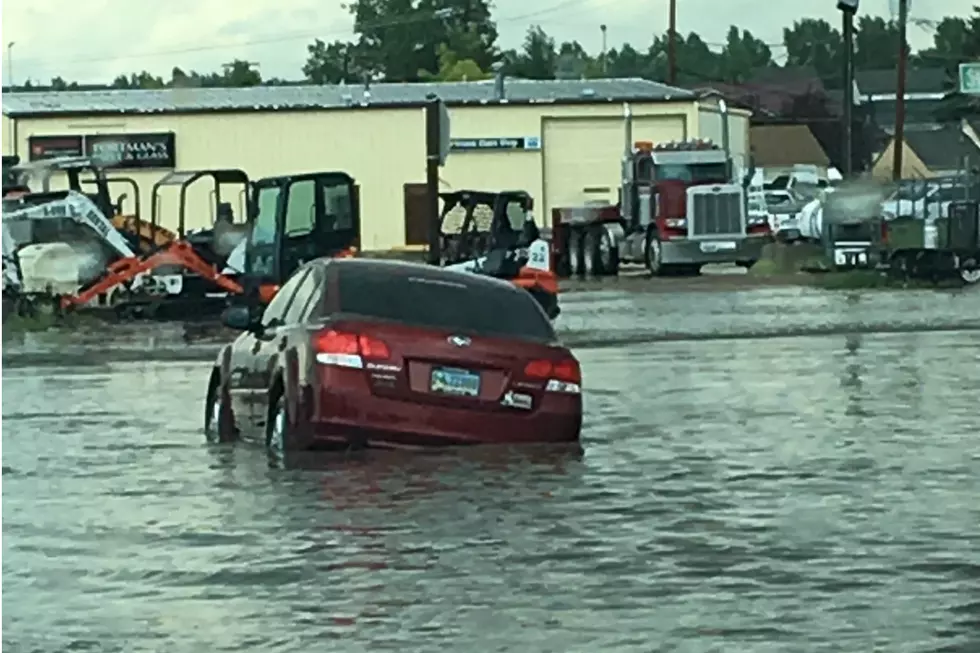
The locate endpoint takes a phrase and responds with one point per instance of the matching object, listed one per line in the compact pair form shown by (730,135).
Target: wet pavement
(813,492)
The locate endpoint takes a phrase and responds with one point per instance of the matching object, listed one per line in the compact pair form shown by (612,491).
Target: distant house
(932,153)
(779,147)
(925,89)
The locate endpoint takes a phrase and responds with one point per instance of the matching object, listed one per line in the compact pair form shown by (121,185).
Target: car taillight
(884,232)
(344,349)
(561,376)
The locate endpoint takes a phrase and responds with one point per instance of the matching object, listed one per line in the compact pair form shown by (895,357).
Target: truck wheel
(575,254)
(653,255)
(606,254)
(590,256)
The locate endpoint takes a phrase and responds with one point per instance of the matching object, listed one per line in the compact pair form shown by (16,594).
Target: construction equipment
(168,270)
(494,233)
(680,207)
(297,218)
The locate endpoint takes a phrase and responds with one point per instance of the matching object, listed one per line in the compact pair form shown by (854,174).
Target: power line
(295,36)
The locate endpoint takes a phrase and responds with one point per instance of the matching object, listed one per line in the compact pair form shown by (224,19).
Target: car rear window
(434,301)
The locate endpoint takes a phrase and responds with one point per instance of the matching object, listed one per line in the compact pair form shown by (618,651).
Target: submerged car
(358,353)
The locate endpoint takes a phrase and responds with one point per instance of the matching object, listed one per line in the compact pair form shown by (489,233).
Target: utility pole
(903,54)
(672,45)
(602,28)
(847,9)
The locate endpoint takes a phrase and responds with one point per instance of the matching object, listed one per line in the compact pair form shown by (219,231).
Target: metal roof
(273,98)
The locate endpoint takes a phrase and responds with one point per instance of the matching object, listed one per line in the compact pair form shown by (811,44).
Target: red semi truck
(679,208)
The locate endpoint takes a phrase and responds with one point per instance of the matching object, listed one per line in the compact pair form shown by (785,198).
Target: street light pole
(603,29)
(10,65)
(847,9)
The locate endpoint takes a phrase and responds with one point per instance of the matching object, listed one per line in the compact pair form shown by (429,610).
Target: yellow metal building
(562,140)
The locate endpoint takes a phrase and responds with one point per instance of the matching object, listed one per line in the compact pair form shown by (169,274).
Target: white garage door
(582,156)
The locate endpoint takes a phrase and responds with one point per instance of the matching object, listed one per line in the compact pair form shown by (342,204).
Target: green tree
(743,54)
(399,38)
(537,59)
(812,42)
(454,69)
(875,44)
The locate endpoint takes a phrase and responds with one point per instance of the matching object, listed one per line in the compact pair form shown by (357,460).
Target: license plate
(719,246)
(453,381)
(850,257)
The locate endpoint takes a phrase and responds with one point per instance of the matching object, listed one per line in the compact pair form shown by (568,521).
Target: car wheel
(653,255)
(278,439)
(219,421)
(970,274)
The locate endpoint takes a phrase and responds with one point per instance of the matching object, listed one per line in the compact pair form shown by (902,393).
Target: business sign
(130,151)
(52,147)
(113,151)
(525,143)
(970,78)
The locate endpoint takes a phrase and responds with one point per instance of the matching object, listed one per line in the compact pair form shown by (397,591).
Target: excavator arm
(124,270)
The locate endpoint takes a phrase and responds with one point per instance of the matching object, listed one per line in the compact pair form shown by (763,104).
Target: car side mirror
(241,318)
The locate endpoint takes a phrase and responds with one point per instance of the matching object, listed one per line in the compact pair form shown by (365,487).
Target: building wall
(7,136)
(710,126)
(912,165)
(371,145)
(383,149)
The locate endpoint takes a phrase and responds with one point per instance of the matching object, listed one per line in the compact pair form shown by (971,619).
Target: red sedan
(356,353)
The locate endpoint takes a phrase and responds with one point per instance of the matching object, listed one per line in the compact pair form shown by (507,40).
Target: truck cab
(681,208)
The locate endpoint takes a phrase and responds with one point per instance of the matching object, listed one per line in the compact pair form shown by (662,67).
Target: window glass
(305,294)
(264,230)
(440,302)
(260,254)
(338,205)
(275,311)
(300,208)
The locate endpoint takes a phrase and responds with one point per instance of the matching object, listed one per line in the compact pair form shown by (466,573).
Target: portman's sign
(112,151)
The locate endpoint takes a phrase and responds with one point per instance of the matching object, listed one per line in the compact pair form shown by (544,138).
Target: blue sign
(519,143)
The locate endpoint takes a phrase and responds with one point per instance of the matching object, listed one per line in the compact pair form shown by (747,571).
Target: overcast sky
(95,40)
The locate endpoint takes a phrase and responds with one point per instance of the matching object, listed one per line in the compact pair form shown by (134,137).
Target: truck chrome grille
(716,214)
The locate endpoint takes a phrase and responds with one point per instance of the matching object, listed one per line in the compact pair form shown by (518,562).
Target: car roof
(408,268)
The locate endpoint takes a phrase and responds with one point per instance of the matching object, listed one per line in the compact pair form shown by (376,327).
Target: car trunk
(443,368)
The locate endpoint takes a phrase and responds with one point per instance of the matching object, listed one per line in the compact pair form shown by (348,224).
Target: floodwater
(783,493)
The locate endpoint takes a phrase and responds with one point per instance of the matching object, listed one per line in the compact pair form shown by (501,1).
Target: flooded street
(814,488)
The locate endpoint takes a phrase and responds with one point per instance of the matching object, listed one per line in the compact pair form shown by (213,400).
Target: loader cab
(474,222)
(81,175)
(297,219)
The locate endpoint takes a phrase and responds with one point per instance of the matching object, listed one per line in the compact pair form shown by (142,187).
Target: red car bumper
(354,417)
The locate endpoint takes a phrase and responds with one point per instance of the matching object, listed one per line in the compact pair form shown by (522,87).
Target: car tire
(219,420)
(278,431)
(970,273)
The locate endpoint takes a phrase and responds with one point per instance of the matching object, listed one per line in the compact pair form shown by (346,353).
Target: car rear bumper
(358,419)
(722,250)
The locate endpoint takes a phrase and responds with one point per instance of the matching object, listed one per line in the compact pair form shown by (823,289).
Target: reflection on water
(809,494)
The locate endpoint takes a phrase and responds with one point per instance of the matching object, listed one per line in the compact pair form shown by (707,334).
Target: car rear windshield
(435,301)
